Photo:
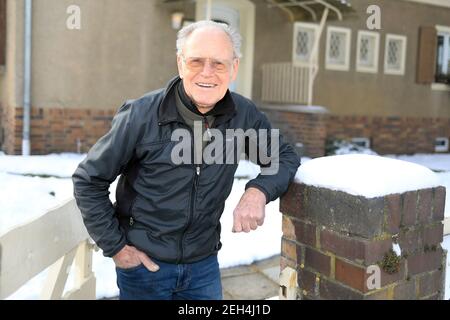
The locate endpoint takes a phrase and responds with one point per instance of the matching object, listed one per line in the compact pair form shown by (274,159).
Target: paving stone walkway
(257,281)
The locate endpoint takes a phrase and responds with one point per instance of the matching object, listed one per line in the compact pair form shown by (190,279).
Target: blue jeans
(193,281)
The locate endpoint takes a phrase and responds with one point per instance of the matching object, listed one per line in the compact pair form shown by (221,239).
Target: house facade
(387,87)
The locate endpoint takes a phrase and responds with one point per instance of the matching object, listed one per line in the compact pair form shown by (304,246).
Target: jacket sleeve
(91,181)
(277,159)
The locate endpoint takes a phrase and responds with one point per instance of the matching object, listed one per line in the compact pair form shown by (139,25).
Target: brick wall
(332,238)
(12,130)
(395,135)
(56,130)
(300,125)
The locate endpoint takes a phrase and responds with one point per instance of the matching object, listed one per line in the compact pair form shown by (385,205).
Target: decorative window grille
(338,48)
(367,51)
(304,37)
(395,54)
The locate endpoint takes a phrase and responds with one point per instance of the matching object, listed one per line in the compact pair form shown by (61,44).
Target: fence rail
(56,240)
(283,82)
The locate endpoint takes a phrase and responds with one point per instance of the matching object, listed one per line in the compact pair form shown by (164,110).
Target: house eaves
(439,3)
(312,10)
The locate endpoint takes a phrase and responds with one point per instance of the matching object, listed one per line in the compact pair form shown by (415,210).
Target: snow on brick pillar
(364,227)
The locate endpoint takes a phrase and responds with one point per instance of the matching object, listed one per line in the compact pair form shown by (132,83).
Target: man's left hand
(250,211)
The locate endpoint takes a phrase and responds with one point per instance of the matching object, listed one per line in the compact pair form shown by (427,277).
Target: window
(367,51)
(442,74)
(303,42)
(395,54)
(361,141)
(441,144)
(338,49)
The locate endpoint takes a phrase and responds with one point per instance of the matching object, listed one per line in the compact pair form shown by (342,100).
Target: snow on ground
(26,197)
(37,195)
(366,175)
(436,162)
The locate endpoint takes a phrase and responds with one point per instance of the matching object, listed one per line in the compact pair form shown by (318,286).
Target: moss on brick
(391,262)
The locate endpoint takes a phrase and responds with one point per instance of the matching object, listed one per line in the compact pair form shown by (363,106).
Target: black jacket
(168,211)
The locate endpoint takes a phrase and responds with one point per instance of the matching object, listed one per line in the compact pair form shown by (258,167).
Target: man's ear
(235,69)
(180,66)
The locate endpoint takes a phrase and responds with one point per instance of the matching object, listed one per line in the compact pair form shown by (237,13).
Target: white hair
(186,31)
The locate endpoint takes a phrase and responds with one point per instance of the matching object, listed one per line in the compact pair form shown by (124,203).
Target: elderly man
(163,232)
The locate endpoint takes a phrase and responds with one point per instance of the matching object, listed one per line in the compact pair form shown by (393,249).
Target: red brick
(341,245)
(424,205)
(405,290)
(430,283)
(291,201)
(394,212)
(424,262)
(306,233)
(410,240)
(288,228)
(375,250)
(306,281)
(366,251)
(435,296)
(387,278)
(335,291)
(289,249)
(439,203)
(409,208)
(351,275)
(433,235)
(382,294)
(317,261)
(285,262)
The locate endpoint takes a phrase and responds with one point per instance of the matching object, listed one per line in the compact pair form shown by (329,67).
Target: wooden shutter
(426,63)
(2,32)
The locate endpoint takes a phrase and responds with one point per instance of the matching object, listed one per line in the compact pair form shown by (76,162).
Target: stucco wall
(10,76)
(356,93)
(121,51)
(273,41)
(379,94)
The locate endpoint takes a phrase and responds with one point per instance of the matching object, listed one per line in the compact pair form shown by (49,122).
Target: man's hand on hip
(130,257)
(250,211)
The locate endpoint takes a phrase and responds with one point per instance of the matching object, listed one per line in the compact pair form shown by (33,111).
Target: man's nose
(208,68)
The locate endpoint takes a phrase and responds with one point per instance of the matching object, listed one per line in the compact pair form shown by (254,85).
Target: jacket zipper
(192,204)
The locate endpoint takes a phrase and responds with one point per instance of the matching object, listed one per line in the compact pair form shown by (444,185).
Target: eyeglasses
(197,64)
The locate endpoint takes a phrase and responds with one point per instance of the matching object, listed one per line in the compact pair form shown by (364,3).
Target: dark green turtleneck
(190,114)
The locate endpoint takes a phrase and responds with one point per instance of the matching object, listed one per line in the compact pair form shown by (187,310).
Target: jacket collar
(167,111)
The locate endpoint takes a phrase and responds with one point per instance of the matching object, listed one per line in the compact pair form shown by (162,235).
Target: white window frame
(444,147)
(436,85)
(404,40)
(361,67)
(331,65)
(359,140)
(295,59)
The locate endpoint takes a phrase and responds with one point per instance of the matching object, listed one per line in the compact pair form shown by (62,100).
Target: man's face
(207,66)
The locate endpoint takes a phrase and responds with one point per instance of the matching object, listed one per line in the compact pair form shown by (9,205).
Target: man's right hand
(130,257)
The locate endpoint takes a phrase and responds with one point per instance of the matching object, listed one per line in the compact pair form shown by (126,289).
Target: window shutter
(2,32)
(426,64)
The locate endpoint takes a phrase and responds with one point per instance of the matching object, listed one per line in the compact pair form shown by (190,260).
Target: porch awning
(311,10)
(301,10)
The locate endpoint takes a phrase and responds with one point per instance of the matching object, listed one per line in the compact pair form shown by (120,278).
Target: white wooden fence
(56,239)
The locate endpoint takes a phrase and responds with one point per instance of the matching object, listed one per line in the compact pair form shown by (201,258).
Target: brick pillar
(335,241)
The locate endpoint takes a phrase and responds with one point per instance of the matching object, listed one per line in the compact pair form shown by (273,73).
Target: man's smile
(206,85)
